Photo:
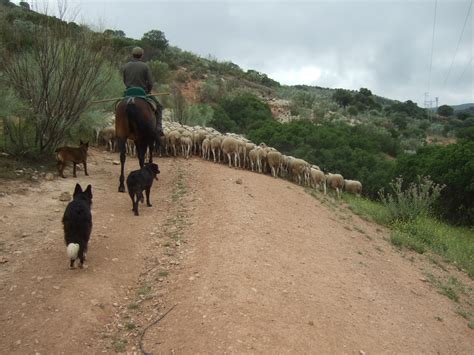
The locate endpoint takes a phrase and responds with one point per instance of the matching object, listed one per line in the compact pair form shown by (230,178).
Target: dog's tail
(72,250)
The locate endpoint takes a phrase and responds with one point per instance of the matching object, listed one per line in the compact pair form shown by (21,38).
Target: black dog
(77,222)
(139,180)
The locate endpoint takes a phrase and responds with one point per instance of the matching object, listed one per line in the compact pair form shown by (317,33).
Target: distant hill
(464,107)
(459,108)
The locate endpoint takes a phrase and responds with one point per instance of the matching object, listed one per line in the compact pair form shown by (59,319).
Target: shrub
(201,115)
(450,165)
(414,201)
(159,70)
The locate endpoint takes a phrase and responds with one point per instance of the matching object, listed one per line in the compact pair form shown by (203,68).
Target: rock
(56,287)
(115,259)
(311,322)
(3,194)
(361,352)
(3,154)
(18,342)
(65,196)
(239,181)
(115,304)
(116,162)
(49,177)
(3,260)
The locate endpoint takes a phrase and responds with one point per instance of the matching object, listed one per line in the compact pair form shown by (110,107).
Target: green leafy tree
(342,97)
(155,44)
(155,39)
(451,165)
(115,33)
(246,110)
(445,111)
(221,121)
(24,5)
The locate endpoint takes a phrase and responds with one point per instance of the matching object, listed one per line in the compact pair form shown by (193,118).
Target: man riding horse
(137,73)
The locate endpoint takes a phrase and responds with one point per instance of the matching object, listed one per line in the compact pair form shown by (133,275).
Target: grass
(454,244)
(463,313)
(119,345)
(133,305)
(130,326)
(471,325)
(163,273)
(450,288)
(145,292)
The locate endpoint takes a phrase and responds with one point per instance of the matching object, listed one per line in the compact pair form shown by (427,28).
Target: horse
(135,120)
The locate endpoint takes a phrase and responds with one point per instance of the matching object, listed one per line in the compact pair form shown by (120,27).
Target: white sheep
(353,187)
(205,148)
(274,159)
(108,135)
(318,179)
(335,182)
(216,142)
(230,147)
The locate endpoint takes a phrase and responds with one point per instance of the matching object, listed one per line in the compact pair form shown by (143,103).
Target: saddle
(137,92)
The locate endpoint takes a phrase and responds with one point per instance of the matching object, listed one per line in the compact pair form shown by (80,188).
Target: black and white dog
(77,221)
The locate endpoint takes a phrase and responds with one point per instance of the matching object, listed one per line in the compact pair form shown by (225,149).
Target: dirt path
(253,265)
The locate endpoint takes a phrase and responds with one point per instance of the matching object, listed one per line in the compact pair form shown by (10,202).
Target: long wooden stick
(119,98)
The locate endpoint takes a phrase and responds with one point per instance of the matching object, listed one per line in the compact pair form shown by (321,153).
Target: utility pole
(429,104)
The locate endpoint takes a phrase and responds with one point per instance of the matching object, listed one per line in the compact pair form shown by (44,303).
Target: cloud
(382,45)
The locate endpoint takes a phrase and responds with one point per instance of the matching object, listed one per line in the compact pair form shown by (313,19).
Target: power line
(465,69)
(432,45)
(459,42)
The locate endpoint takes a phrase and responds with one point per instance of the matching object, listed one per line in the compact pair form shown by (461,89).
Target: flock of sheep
(239,152)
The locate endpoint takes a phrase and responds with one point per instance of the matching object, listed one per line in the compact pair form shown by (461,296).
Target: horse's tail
(136,120)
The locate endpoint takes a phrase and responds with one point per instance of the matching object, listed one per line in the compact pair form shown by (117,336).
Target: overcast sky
(382,45)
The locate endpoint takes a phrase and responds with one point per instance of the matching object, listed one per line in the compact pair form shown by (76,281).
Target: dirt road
(251,264)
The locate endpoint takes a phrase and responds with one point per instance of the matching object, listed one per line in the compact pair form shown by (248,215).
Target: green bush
(200,115)
(413,201)
(159,70)
(452,166)
(221,121)
(247,111)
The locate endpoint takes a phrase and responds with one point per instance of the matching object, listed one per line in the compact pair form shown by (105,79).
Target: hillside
(238,255)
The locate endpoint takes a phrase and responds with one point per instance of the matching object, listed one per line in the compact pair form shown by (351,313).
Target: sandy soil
(251,264)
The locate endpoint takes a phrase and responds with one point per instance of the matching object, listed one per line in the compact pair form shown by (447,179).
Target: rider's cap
(137,51)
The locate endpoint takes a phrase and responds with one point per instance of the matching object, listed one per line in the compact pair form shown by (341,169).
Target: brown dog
(76,155)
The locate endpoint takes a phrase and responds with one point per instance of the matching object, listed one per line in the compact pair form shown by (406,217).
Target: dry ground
(251,264)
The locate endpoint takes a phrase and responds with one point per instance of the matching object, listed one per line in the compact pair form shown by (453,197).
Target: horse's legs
(121,144)
(141,150)
(151,147)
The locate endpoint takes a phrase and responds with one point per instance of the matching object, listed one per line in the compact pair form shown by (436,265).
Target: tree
(115,33)
(58,77)
(155,39)
(24,5)
(221,121)
(450,165)
(246,110)
(445,111)
(342,97)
